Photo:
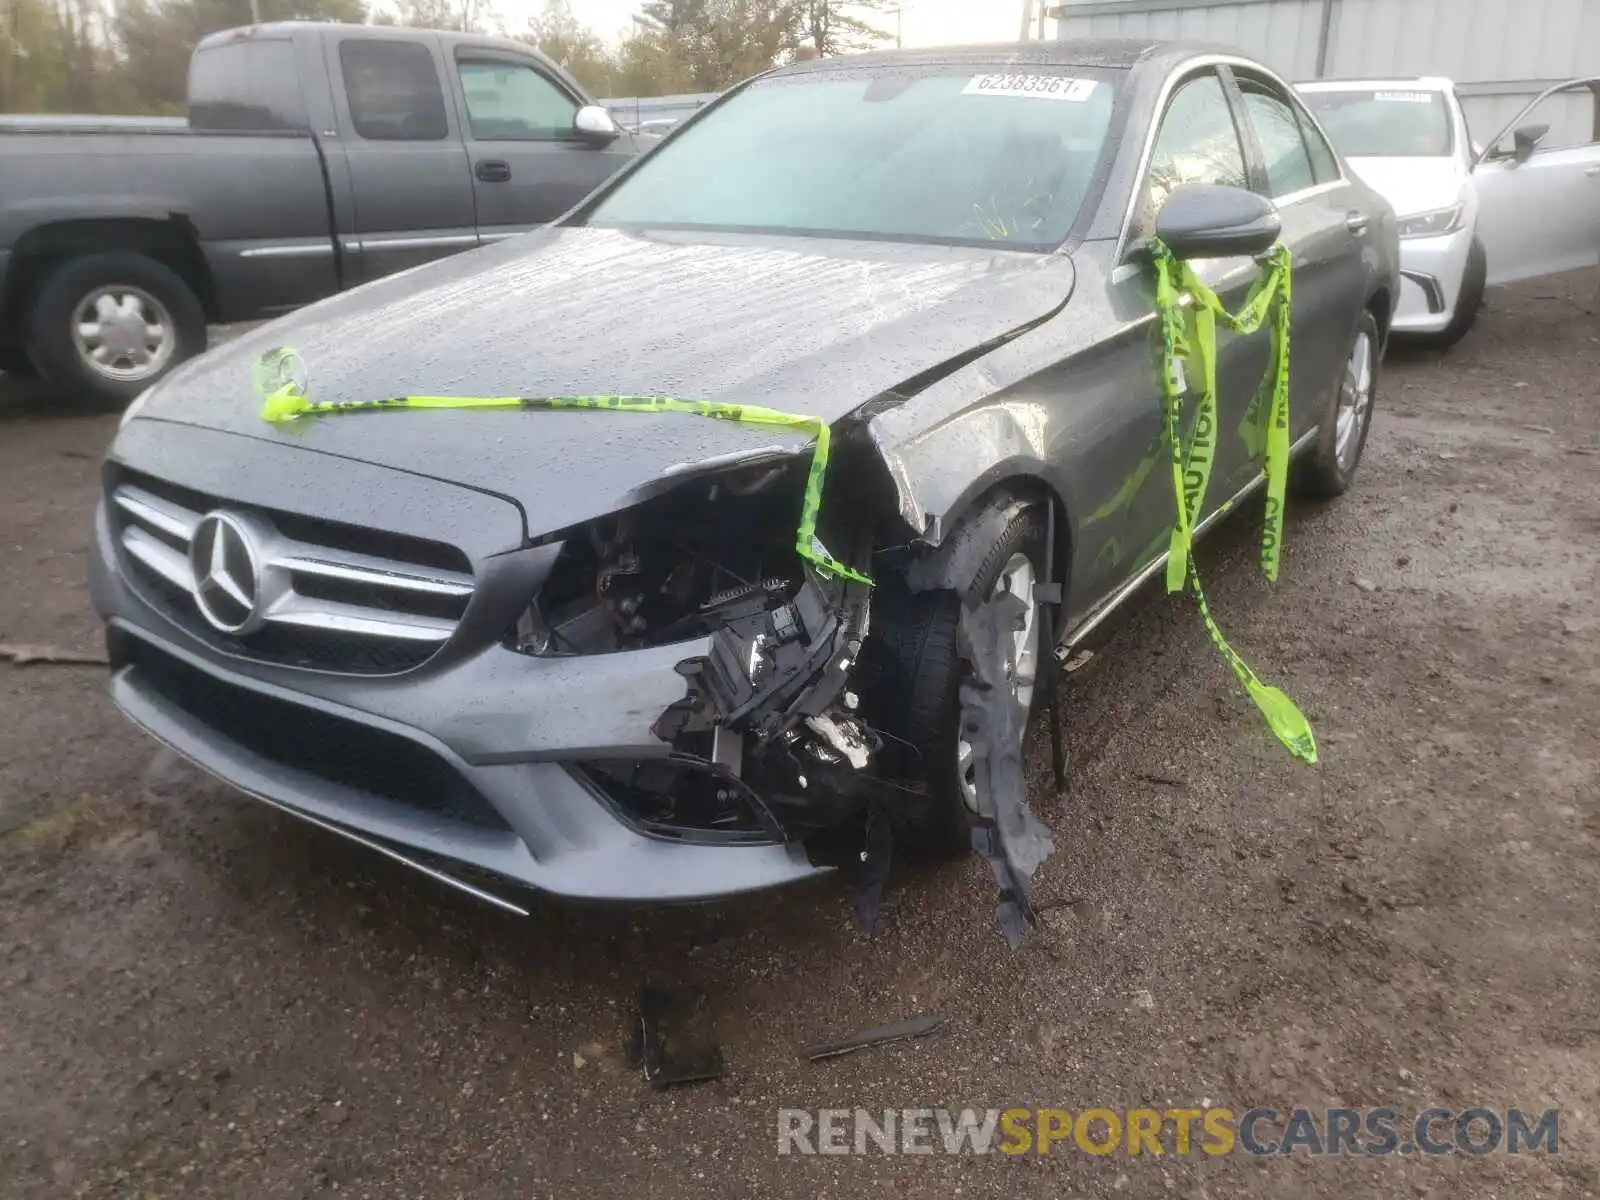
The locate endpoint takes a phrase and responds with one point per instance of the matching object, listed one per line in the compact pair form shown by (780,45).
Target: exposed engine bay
(770,740)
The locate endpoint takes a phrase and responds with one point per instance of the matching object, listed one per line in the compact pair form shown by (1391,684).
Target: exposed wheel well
(1029,489)
(172,243)
(1381,306)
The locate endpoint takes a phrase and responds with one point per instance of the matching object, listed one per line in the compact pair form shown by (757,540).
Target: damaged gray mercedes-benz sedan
(579,650)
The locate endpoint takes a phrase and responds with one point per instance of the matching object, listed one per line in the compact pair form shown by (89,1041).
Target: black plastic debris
(1006,832)
(872,873)
(675,1040)
(917,1027)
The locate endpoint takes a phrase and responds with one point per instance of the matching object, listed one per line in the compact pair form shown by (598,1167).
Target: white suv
(1527,205)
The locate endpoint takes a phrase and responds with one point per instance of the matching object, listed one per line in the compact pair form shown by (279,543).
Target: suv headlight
(1432,224)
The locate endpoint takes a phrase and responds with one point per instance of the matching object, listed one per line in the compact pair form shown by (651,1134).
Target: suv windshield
(933,154)
(1384,122)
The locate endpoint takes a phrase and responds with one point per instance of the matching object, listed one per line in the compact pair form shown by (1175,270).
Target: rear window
(250,84)
(966,156)
(1385,122)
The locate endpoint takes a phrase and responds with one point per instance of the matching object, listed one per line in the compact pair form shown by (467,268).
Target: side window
(393,90)
(512,102)
(1324,163)
(248,84)
(1278,133)
(1197,143)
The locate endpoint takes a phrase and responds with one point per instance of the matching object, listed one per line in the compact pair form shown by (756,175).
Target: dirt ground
(200,997)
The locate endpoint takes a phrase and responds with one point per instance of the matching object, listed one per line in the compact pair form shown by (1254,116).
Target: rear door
(408,167)
(528,164)
(1324,230)
(1541,214)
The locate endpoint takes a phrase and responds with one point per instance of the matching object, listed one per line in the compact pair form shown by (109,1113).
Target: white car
(1527,204)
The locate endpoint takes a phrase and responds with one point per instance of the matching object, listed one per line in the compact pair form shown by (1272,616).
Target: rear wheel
(921,669)
(1330,466)
(107,326)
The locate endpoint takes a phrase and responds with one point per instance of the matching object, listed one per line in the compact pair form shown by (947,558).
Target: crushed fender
(1007,834)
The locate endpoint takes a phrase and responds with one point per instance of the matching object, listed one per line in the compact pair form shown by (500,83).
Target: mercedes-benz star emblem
(227,577)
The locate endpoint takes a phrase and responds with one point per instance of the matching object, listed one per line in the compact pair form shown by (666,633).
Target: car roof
(1108,53)
(1420,83)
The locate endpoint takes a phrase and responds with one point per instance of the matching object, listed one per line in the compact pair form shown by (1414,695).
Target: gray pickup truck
(315,157)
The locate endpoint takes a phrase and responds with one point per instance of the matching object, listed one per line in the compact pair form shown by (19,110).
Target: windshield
(1384,123)
(933,154)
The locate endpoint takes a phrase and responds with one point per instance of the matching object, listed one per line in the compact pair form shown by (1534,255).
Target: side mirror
(1527,139)
(1204,221)
(595,125)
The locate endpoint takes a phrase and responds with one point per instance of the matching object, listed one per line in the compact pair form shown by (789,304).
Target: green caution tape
(1191,466)
(284,399)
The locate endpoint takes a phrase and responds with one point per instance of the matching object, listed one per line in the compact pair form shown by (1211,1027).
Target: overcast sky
(926,22)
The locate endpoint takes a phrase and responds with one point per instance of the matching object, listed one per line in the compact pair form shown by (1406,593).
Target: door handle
(1357,222)
(1592,171)
(493,170)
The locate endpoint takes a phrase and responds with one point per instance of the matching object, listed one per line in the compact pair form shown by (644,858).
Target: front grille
(341,751)
(321,594)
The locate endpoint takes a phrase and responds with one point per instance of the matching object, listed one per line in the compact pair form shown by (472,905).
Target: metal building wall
(1501,53)
(1284,34)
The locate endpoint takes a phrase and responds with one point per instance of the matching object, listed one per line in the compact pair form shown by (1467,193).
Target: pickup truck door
(1539,195)
(408,167)
(528,163)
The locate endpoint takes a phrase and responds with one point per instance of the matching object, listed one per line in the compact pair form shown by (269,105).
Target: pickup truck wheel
(14,360)
(920,673)
(107,326)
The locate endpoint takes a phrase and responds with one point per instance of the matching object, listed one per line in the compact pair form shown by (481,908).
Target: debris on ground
(25,655)
(675,1043)
(917,1027)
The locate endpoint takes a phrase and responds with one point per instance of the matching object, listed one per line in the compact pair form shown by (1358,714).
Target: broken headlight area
(768,742)
(669,569)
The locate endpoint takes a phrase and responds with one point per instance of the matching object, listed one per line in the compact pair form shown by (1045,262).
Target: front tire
(1468,303)
(107,326)
(1329,467)
(920,671)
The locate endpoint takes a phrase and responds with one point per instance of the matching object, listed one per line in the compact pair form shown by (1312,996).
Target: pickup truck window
(512,102)
(248,84)
(394,91)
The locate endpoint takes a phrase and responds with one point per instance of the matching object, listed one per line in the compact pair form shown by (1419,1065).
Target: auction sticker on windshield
(1405,97)
(1038,87)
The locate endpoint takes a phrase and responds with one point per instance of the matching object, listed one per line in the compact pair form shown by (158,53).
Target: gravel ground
(204,998)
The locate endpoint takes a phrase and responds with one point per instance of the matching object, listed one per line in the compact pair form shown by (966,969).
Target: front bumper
(1432,270)
(504,726)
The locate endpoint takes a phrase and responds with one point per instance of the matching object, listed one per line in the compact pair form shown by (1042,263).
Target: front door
(408,168)
(1539,212)
(529,165)
(1130,513)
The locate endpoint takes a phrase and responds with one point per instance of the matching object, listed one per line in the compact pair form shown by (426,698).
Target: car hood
(803,325)
(1413,185)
